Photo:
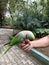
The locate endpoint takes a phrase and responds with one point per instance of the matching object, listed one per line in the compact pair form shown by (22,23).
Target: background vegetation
(26,15)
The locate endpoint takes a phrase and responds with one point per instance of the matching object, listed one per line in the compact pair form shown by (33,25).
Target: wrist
(34,44)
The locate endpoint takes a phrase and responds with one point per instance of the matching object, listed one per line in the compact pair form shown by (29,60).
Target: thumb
(27,41)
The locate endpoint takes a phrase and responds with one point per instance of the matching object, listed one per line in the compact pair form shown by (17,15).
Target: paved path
(15,56)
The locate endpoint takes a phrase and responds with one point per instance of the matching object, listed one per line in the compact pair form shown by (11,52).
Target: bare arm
(43,42)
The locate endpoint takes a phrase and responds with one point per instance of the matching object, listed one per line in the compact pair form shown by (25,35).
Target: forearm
(43,42)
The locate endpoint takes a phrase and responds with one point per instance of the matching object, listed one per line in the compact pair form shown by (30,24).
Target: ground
(15,56)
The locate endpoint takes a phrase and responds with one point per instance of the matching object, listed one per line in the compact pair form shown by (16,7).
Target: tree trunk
(1,20)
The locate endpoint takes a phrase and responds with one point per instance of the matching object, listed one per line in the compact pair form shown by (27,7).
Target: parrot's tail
(4,45)
(9,47)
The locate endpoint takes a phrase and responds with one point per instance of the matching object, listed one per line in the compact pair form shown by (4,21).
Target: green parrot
(18,38)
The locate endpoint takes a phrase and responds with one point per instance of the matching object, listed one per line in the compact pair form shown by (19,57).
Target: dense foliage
(40,32)
(25,14)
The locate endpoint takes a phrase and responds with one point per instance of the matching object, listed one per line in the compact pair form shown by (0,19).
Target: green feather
(9,47)
(13,42)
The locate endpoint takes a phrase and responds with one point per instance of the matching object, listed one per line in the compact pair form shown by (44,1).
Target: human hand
(26,45)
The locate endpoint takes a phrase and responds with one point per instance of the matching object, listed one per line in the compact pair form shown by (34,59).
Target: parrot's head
(26,35)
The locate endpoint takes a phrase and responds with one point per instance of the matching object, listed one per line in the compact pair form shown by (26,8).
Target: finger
(26,40)
(28,48)
(22,44)
(25,46)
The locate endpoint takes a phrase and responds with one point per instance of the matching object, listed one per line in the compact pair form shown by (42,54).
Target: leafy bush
(41,32)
